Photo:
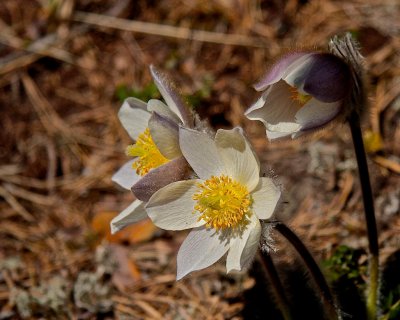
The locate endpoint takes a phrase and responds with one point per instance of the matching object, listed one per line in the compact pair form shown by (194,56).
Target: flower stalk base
(373,268)
(312,266)
(277,285)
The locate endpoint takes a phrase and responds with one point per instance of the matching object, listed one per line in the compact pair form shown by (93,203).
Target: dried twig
(46,46)
(13,202)
(168,31)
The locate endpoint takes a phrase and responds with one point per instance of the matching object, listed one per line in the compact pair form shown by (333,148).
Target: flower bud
(302,92)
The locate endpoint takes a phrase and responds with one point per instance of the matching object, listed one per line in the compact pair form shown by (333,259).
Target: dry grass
(60,64)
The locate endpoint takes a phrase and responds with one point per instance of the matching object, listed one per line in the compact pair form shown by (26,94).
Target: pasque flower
(223,206)
(303,91)
(157,158)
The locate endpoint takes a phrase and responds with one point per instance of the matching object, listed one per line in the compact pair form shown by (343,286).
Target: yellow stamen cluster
(300,98)
(222,202)
(147,153)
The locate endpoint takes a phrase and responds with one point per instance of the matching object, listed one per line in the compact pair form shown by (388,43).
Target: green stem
(277,286)
(373,284)
(312,266)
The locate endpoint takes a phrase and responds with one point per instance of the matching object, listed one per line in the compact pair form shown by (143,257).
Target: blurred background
(65,68)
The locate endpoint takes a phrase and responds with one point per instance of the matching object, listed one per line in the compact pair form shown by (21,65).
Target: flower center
(147,153)
(300,98)
(222,202)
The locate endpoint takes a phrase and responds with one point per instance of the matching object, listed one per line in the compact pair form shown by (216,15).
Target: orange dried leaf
(135,233)
(141,231)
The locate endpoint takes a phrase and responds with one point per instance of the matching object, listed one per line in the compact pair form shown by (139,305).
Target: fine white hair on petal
(268,243)
(238,157)
(126,176)
(201,248)
(134,117)
(171,207)
(201,152)
(133,213)
(265,198)
(243,248)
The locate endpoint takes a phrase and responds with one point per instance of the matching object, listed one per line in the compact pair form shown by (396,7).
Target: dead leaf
(373,141)
(126,273)
(135,233)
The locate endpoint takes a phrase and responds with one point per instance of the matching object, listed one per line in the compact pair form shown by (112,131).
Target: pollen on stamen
(300,98)
(222,202)
(147,153)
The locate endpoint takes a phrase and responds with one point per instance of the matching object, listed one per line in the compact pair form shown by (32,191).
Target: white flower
(223,206)
(302,92)
(157,158)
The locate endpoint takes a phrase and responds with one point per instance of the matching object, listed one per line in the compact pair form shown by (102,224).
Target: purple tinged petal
(328,78)
(175,170)
(172,97)
(165,134)
(278,70)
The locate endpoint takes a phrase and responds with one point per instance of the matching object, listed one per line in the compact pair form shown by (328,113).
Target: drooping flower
(302,92)
(157,158)
(223,206)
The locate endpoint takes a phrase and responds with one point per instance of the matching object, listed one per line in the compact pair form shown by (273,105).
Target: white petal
(297,71)
(134,117)
(172,207)
(162,109)
(284,128)
(172,97)
(275,106)
(272,135)
(280,69)
(238,157)
(165,134)
(316,113)
(257,105)
(126,176)
(201,153)
(265,198)
(243,249)
(201,248)
(133,213)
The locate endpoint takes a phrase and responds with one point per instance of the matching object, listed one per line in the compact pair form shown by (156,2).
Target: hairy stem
(277,285)
(373,284)
(312,266)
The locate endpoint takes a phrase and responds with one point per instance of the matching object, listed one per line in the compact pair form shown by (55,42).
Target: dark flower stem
(312,266)
(277,286)
(373,284)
